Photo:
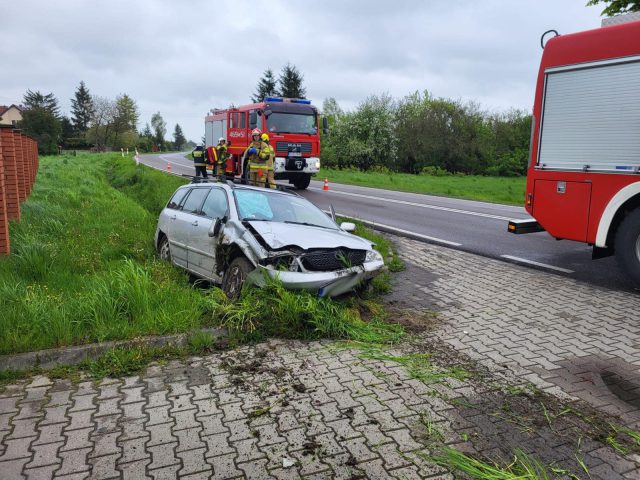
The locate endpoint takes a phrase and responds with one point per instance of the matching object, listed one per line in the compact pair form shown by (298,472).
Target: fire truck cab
(293,128)
(583,180)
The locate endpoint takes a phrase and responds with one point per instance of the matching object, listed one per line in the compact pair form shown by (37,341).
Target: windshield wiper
(307,224)
(255,220)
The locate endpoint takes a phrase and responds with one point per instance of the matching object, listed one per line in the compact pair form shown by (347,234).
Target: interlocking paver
(74,461)
(12,469)
(44,455)
(40,473)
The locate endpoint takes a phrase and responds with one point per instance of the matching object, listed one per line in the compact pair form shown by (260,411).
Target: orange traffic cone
(326,184)
(168,167)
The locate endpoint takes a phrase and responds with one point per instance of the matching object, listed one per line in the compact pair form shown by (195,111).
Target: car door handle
(172,218)
(195,224)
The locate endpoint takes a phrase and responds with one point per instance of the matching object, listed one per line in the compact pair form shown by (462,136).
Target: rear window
(215,206)
(177,198)
(194,201)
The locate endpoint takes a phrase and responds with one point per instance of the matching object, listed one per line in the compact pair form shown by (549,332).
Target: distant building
(10,115)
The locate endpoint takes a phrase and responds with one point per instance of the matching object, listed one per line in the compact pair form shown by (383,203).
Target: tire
(235,276)
(627,246)
(302,182)
(164,251)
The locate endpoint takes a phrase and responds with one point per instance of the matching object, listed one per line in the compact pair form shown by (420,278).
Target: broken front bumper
(326,284)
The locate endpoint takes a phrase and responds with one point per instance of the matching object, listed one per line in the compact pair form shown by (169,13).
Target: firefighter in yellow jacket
(271,181)
(221,154)
(258,154)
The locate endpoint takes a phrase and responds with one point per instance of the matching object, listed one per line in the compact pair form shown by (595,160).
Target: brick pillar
(22,179)
(25,165)
(10,173)
(34,158)
(32,161)
(4,219)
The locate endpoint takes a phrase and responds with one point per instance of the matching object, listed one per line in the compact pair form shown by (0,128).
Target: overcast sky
(184,57)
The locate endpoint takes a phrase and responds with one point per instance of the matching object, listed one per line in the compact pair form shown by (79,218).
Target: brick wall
(18,168)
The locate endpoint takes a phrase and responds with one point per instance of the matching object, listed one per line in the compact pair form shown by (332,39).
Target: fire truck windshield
(292,123)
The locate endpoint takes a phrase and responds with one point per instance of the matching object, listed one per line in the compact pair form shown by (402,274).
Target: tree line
(421,133)
(97,123)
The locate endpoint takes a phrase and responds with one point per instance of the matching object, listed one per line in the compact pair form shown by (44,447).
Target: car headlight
(317,164)
(373,256)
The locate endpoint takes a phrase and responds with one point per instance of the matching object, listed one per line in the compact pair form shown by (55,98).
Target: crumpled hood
(278,235)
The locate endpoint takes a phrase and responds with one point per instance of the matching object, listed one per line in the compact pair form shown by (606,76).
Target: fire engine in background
(583,180)
(293,128)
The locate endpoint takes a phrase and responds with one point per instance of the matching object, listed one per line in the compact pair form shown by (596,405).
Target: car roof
(236,185)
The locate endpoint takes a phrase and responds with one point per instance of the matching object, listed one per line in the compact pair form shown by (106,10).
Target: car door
(182,225)
(202,249)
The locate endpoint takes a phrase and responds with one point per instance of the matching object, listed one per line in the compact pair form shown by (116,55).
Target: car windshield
(255,205)
(292,123)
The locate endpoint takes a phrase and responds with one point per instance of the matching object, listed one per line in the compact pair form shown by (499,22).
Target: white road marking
(421,205)
(400,230)
(538,264)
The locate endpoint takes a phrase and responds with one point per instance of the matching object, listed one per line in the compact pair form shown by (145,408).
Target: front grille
(329,260)
(283,147)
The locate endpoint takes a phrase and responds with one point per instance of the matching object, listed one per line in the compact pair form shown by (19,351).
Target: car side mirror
(216,226)
(267,113)
(325,125)
(253,119)
(348,226)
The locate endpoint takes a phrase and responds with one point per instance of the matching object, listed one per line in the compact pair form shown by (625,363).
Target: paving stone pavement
(567,337)
(290,409)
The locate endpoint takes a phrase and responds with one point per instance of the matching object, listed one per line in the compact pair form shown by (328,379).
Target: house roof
(4,108)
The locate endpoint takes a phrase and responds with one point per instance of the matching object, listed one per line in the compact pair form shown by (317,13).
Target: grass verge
(509,190)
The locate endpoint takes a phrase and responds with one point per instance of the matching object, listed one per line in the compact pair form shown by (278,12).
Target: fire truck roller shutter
(591,117)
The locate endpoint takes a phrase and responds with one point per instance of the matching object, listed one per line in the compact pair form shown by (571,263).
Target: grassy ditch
(509,190)
(83,268)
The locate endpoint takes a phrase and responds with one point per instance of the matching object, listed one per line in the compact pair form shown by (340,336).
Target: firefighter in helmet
(198,155)
(258,153)
(229,164)
(221,151)
(271,181)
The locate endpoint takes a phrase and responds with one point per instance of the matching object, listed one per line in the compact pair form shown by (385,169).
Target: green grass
(418,365)
(275,311)
(83,269)
(509,190)
(523,467)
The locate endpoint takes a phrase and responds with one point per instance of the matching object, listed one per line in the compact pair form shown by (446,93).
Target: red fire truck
(293,128)
(583,181)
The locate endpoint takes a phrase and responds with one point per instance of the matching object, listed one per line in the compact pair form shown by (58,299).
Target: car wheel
(164,252)
(627,246)
(235,276)
(302,182)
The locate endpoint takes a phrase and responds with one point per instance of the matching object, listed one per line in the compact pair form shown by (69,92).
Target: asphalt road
(477,227)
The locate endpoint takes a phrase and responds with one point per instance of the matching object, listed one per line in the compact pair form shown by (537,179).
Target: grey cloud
(183,58)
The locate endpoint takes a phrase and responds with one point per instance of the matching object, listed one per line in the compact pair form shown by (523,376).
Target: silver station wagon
(234,234)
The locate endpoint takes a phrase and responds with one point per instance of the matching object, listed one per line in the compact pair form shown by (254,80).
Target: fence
(18,168)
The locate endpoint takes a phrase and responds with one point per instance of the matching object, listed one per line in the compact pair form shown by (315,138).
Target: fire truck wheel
(627,245)
(302,182)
